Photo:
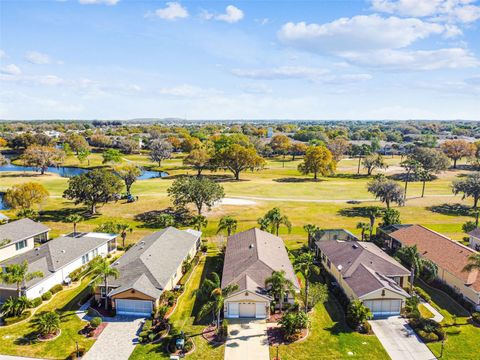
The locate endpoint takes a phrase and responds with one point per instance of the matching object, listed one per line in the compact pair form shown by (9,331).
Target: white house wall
(10,250)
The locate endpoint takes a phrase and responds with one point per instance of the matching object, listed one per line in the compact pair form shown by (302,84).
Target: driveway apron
(247,340)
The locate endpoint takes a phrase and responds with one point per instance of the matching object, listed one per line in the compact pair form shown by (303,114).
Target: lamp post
(443,345)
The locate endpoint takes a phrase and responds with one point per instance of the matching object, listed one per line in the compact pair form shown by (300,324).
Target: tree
(273,219)
(372,213)
(297,149)
(281,144)
(317,293)
(41,157)
(360,151)
(357,313)
(111,156)
(228,224)
(165,220)
(338,147)
(15,306)
(92,188)
(129,146)
(391,217)
(76,142)
(293,322)
(457,149)
(279,286)
(386,191)
(311,231)
(27,213)
(470,187)
(364,227)
(473,263)
(48,323)
(469,226)
(129,173)
(74,219)
(114,227)
(237,158)
(160,150)
(374,161)
(19,275)
(25,196)
(199,191)
(3,160)
(216,302)
(432,162)
(103,271)
(305,264)
(199,159)
(317,160)
(204,293)
(410,256)
(100,140)
(411,166)
(83,155)
(199,222)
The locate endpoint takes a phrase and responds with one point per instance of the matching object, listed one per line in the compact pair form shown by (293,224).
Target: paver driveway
(247,340)
(117,341)
(399,339)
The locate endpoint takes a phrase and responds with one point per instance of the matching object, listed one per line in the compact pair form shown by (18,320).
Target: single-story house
(18,237)
(450,257)
(148,268)
(364,272)
(250,258)
(475,239)
(56,259)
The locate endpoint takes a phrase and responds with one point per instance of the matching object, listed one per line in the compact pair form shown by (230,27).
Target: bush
(427,337)
(204,248)
(422,293)
(36,302)
(46,296)
(147,325)
(56,289)
(95,322)
(15,319)
(293,322)
(476,317)
(365,328)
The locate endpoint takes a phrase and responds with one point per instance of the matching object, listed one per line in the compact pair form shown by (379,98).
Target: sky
(124,59)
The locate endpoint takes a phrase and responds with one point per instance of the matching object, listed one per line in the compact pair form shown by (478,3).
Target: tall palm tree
(18,274)
(123,228)
(311,231)
(216,302)
(103,270)
(279,286)
(74,219)
(274,219)
(364,227)
(372,213)
(305,264)
(228,224)
(410,256)
(473,263)
(199,222)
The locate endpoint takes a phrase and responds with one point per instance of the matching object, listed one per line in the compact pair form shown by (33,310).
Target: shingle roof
(446,253)
(21,229)
(153,260)
(251,257)
(475,233)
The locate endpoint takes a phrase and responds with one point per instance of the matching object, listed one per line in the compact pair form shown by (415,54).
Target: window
(41,238)
(20,245)
(85,259)
(94,253)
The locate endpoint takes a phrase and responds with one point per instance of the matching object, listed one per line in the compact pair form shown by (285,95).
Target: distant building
(475,239)
(335,234)
(269,132)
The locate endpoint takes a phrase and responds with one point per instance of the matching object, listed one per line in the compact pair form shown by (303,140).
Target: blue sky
(121,59)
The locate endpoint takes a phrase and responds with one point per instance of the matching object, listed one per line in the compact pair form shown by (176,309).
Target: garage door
(247,310)
(133,307)
(384,307)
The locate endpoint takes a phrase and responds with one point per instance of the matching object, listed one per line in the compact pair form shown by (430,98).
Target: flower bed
(49,337)
(188,348)
(276,336)
(93,333)
(210,334)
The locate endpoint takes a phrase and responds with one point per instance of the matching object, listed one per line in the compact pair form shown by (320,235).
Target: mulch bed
(49,337)
(275,336)
(274,318)
(87,331)
(182,353)
(209,334)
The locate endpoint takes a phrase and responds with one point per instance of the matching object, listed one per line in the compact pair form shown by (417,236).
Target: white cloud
(187,90)
(38,58)
(257,88)
(232,15)
(3,54)
(359,33)
(283,72)
(172,11)
(11,69)
(98,2)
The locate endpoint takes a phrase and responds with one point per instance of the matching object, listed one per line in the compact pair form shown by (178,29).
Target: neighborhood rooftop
(21,230)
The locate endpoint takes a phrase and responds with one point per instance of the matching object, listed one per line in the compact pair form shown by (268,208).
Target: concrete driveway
(247,340)
(399,339)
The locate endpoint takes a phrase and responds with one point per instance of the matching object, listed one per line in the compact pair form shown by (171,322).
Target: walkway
(399,339)
(437,316)
(247,340)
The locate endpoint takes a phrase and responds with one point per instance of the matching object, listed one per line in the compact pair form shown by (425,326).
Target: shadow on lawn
(297,180)
(61,214)
(337,315)
(451,209)
(350,176)
(359,211)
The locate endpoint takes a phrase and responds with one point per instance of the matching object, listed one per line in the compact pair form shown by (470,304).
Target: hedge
(46,296)
(56,289)
(36,302)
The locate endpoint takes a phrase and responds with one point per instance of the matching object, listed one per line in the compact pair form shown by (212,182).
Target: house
(450,257)
(150,267)
(250,258)
(56,259)
(335,234)
(475,239)
(18,237)
(364,272)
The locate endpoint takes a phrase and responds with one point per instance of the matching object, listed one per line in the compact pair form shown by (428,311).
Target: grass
(424,312)
(21,338)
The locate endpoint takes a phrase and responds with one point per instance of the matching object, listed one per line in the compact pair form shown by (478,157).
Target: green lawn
(20,339)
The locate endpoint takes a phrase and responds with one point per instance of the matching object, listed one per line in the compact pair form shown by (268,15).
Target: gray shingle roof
(21,229)
(251,257)
(152,261)
(475,232)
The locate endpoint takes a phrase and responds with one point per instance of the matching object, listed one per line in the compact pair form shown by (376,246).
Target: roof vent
(63,251)
(251,246)
(355,246)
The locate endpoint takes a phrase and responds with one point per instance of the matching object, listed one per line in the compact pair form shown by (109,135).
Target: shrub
(427,337)
(423,294)
(15,319)
(147,325)
(168,297)
(46,296)
(293,322)
(357,314)
(36,302)
(365,328)
(95,322)
(476,317)
(56,289)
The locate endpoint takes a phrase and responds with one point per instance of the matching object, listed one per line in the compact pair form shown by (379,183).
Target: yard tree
(48,323)
(338,147)
(374,161)
(457,149)
(357,313)
(103,271)
(74,219)
(297,149)
(432,161)
(95,187)
(373,212)
(272,221)
(205,293)
(217,301)
(317,293)
(199,222)
(317,160)
(311,231)
(469,187)
(18,274)
(364,227)
(199,159)
(175,142)
(77,142)
(83,155)
(100,140)
(305,264)
(25,196)
(111,156)
(386,191)
(411,166)
(278,285)
(160,150)
(281,144)
(193,190)
(228,224)
(418,264)
(237,158)
(391,217)
(129,173)
(360,151)
(114,227)
(41,157)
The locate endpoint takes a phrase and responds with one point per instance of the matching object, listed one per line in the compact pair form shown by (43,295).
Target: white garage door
(247,310)
(134,307)
(384,307)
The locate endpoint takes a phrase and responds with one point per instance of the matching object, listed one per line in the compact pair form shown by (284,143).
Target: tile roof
(250,258)
(446,253)
(21,229)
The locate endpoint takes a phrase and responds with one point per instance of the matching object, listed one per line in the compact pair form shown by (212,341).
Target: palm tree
(216,301)
(48,323)
(311,231)
(227,223)
(372,213)
(123,228)
(75,219)
(473,263)
(410,256)
(364,227)
(305,264)
(18,274)
(279,286)
(273,219)
(15,306)
(199,222)
(103,270)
